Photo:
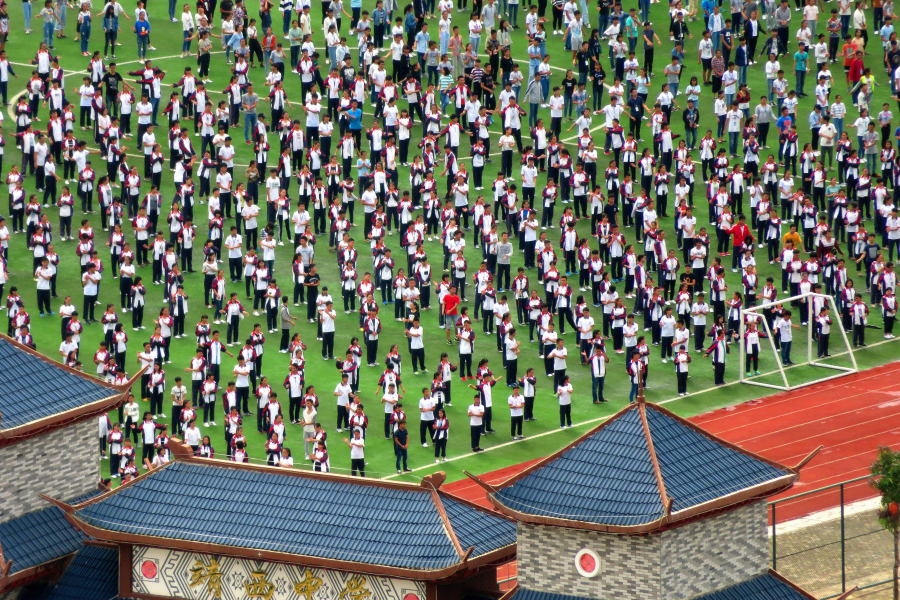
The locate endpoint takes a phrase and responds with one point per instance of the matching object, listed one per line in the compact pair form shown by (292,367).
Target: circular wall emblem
(148,569)
(411,596)
(587,562)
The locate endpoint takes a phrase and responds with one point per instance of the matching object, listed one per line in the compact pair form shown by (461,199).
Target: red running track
(850,417)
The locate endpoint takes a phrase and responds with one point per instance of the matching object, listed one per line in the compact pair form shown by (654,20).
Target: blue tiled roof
(697,469)
(764,587)
(523,594)
(61,391)
(234,507)
(40,536)
(608,477)
(474,528)
(93,575)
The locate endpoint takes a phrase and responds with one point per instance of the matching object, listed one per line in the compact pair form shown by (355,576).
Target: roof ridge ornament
(434,481)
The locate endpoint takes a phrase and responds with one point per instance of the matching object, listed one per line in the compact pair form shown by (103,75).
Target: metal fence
(828,540)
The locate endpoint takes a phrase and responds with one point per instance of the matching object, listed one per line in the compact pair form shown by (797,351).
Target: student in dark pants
(528,382)
(512,357)
(286,321)
(357,454)
(516,409)
(426,411)
(858,314)
(476,413)
(823,325)
(401,443)
(718,351)
(440,430)
(564,393)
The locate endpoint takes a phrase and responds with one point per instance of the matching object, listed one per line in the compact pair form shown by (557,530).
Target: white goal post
(836,324)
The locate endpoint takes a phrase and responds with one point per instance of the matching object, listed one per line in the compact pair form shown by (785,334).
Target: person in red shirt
(449,308)
(856,69)
(848,52)
(739,232)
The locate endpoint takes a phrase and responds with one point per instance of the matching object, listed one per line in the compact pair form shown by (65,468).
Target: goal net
(804,308)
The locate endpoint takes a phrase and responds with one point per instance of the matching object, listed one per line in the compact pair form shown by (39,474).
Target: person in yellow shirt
(794,237)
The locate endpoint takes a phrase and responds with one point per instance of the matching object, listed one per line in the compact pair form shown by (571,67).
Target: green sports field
(543,435)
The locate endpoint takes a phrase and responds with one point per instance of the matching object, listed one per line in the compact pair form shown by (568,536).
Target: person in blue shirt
(354,114)
(378,23)
(363,167)
(234,42)
(356,9)
(409,23)
(783,124)
(354,122)
(707,6)
(886,32)
(142,29)
(801,68)
(631,28)
(422,41)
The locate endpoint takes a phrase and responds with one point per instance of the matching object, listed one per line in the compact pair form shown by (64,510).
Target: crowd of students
(325,160)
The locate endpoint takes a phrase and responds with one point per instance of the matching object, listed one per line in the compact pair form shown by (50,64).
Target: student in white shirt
(357,447)
(476,413)
(783,325)
(343,391)
(426,415)
(558,355)
(516,404)
(564,393)
(193,435)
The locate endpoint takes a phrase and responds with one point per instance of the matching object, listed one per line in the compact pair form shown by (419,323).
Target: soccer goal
(757,314)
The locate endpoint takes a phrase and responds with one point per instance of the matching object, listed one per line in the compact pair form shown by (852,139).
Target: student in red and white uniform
(148,428)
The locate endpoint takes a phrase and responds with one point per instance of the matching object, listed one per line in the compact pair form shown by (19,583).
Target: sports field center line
(153,58)
(503,445)
(15,100)
(86,73)
(800,411)
(604,418)
(192,55)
